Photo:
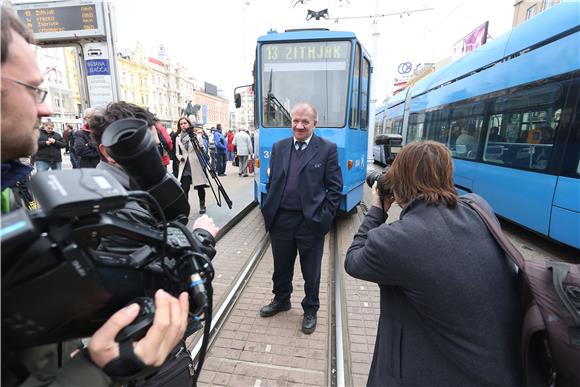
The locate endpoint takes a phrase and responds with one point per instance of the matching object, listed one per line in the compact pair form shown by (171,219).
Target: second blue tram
(332,71)
(510,114)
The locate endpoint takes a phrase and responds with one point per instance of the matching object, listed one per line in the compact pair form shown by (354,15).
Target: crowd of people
(189,158)
(449,307)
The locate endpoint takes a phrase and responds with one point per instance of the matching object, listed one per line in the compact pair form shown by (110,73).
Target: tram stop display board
(63,20)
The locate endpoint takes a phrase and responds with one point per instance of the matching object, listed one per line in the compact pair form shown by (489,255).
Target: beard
(23,146)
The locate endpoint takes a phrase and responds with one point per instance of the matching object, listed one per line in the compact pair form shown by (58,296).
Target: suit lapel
(309,153)
(286,149)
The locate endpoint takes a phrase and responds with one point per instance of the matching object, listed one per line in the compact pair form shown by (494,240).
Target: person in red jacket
(230,145)
(166,144)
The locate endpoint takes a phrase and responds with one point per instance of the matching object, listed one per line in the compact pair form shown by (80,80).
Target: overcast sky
(216,38)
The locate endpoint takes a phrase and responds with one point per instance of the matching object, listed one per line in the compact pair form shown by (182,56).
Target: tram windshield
(316,72)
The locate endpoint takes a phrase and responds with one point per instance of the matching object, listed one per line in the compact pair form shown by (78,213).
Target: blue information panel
(98,67)
(204,114)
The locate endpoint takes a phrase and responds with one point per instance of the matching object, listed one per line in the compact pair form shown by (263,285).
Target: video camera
(59,282)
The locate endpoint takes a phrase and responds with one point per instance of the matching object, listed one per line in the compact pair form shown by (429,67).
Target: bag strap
(495,230)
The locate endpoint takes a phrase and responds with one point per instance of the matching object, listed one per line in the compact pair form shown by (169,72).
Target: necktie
(300,145)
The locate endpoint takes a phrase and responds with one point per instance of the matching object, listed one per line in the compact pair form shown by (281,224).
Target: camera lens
(372,177)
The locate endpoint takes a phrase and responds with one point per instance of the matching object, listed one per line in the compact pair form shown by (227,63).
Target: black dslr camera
(60,283)
(379,177)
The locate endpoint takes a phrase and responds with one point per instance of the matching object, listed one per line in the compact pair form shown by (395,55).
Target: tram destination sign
(61,21)
(306,51)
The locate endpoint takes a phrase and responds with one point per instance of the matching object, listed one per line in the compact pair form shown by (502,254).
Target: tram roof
(555,20)
(305,34)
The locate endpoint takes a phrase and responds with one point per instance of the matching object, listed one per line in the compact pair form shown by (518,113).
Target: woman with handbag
(450,311)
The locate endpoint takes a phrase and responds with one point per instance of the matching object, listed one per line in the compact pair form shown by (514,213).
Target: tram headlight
(268,172)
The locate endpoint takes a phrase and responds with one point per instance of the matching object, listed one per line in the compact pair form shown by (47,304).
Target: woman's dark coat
(449,305)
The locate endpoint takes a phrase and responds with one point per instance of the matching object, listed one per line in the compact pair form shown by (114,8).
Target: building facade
(57,66)
(213,109)
(527,9)
(154,83)
(244,116)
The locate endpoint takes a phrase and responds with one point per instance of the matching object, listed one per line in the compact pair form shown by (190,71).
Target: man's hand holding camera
(167,330)
(207,224)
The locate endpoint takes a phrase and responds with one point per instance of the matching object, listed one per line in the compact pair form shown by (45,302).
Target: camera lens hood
(126,137)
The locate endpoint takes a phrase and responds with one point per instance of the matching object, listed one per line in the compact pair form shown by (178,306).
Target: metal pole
(375,57)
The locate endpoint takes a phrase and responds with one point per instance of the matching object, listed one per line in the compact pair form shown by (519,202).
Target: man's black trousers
(289,234)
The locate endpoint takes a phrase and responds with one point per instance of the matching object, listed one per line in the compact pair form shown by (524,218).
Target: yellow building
(133,77)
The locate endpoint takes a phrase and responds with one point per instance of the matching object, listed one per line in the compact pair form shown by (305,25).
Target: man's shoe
(275,307)
(308,323)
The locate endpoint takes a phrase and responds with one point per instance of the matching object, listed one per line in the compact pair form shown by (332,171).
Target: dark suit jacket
(320,182)
(449,301)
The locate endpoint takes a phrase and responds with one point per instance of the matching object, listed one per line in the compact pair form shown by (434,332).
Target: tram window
(397,127)
(317,69)
(437,124)
(523,139)
(531,119)
(415,129)
(354,111)
(466,123)
(364,94)
(379,124)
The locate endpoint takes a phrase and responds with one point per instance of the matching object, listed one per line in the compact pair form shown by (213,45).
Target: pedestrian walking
(74,160)
(230,145)
(85,147)
(244,148)
(221,147)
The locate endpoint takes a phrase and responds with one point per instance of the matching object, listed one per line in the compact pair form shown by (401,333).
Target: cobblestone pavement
(256,351)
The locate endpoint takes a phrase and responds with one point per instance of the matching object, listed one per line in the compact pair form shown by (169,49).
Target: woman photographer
(449,306)
(190,168)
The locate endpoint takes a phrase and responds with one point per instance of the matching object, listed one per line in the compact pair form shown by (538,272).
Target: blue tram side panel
(329,69)
(517,97)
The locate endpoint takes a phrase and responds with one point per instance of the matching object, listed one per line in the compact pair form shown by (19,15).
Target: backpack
(550,296)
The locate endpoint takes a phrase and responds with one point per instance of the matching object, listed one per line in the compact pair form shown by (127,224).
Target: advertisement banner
(472,41)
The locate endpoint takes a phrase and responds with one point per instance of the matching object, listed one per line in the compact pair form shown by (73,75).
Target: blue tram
(329,69)
(510,114)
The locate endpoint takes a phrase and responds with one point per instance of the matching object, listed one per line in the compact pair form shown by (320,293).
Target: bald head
(304,121)
(306,105)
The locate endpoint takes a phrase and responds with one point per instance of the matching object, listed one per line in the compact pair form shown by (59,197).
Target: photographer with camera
(54,364)
(449,304)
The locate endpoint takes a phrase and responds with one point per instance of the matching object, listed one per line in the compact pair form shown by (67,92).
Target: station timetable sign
(66,20)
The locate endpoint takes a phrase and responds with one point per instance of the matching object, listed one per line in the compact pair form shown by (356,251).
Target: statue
(190,110)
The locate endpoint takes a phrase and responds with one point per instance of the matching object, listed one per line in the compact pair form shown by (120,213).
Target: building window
(531,12)
(546,4)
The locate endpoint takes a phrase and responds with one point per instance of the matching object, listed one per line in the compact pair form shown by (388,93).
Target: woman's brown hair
(424,170)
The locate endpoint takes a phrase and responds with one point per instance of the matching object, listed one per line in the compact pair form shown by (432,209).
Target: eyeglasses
(39,93)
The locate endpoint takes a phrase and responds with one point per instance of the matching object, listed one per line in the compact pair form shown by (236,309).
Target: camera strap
(127,366)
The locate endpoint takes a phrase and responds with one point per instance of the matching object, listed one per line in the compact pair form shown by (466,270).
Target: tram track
(337,366)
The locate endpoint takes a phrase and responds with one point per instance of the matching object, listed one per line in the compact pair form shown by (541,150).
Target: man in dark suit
(304,191)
